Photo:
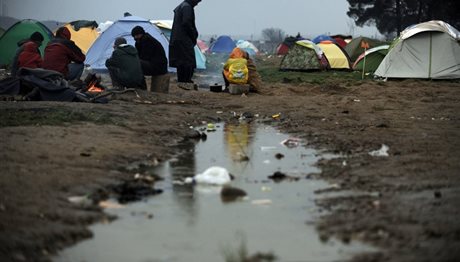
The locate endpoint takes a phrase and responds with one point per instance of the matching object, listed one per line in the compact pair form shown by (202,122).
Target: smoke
(213,73)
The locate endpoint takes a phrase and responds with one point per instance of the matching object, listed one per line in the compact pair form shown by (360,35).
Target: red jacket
(30,57)
(59,53)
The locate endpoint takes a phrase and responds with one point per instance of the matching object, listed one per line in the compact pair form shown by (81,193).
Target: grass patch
(51,116)
(268,68)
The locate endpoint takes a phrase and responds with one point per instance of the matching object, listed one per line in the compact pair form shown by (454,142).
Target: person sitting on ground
(28,55)
(151,53)
(241,69)
(124,66)
(64,56)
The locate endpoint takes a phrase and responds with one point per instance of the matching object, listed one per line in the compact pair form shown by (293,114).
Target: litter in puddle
(382,152)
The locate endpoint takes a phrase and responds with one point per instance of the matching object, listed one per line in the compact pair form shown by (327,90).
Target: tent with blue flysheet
(223,44)
(322,38)
(102,48)
(247,46)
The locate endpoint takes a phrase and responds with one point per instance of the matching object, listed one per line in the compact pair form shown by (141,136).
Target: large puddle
(192,223)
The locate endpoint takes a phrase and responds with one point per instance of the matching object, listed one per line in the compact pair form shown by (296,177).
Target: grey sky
(235,17)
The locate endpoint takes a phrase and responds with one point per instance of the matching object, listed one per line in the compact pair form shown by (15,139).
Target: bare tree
(274,35)
(351,27)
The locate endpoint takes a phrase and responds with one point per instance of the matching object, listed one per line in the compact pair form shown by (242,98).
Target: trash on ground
(276,116)
(214,175)
(266,189)
(211,127)
(291,142)
(80,200)
(146,178)
(110,205)
(279,156)
(261,202)
(382,152)
(267,148)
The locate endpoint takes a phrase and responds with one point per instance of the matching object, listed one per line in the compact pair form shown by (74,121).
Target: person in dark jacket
(183,40)
(124,66)
(28,54)
(151,53)
(64,56)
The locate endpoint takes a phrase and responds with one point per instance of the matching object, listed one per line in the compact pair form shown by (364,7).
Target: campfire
(93,88)
(93,84)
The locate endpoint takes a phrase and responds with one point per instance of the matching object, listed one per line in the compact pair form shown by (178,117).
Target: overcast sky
(235,17)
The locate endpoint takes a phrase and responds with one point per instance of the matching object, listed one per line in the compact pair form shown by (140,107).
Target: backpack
(236,71)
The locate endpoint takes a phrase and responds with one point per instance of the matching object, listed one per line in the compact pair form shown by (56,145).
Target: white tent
(102,48)
(427,50)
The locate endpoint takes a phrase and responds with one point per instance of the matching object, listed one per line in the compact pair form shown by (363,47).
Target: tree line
(392,16)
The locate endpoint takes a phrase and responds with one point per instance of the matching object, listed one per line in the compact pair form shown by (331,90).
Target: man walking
(183,40)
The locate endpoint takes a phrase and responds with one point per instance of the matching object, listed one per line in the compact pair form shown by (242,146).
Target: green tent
(374,57)
(354,49)
(2,31)
(20,31)
(304,55)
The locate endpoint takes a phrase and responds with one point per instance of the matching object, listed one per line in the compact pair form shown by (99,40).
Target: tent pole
(364,64)
(431,54)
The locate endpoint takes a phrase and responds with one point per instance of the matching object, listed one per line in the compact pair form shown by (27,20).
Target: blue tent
(320,38)
(223,44)
(199,56)
(102,48)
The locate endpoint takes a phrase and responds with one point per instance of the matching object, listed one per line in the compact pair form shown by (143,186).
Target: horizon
(298,16)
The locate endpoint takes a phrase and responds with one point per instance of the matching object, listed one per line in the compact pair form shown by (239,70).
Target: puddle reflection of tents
(237,140)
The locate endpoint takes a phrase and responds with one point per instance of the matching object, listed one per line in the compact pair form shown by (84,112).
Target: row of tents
(427,50)
(96,41)
(96,44)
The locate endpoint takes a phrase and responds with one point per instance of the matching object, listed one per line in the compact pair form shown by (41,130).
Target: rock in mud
(134,190)
(229,194)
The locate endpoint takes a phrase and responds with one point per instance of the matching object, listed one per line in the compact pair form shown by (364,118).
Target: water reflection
(238,138)
(191,223)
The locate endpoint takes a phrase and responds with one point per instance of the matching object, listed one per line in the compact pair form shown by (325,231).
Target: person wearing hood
(28,53)
(183,40)
(151,53)
(64,56)
(124,66)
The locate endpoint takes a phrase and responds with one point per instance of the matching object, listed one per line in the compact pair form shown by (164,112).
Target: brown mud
(411,210)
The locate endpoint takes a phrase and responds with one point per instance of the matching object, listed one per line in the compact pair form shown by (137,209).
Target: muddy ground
(50,151)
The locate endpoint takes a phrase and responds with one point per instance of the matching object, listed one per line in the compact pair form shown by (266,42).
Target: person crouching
(151,53)
(64,56)
(28,54)
(124,66)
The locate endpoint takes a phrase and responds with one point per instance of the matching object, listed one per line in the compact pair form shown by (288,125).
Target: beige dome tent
(427,50)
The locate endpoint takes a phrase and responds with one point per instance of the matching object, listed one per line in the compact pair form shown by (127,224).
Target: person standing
(64,56)
(183,40)
(124,66)
(151,53)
